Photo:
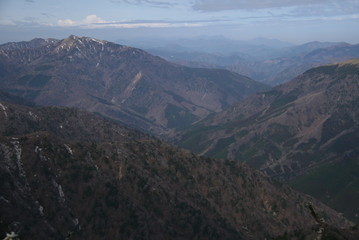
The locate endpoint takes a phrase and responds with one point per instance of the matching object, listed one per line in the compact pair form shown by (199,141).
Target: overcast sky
(296,21)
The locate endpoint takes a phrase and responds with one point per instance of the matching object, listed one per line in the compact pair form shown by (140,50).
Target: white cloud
(343,6)
(7,22)
(92,21)
(154,25)
(216,5)
(66,23)
(88,21)
(153,3)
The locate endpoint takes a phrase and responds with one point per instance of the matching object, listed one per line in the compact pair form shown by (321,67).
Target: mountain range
(119,82)
(68,174)
(305,128)
(259,48)
(269,61)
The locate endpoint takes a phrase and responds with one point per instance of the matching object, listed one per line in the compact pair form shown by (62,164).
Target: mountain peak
(84,39)
(75,41)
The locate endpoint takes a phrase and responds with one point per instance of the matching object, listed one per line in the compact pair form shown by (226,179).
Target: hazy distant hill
(259,48)
(120,82)
(308,47)
(66,174)
(294,65)
(278,63)
(306,129)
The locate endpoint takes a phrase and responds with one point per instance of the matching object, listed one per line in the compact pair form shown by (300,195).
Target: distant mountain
(289,67)
(119,82)
(297,131)
(258,49)
(295,61)
(200,59)
(283,64)
(33,44)
(306,48)
(67,174)
(274,43)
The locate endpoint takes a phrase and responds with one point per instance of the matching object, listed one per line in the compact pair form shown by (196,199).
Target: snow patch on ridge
(60,191)
(18,151)
(4,109)
(97,41)
(69,150)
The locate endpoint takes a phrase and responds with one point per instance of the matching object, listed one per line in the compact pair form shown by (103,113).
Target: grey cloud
(139,21)
(29,19)
(221,5)
(154,3)
(47,14)
(334,8)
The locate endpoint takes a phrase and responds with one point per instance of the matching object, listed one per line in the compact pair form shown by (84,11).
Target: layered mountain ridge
(282,64)
(308,123)
(119,82)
